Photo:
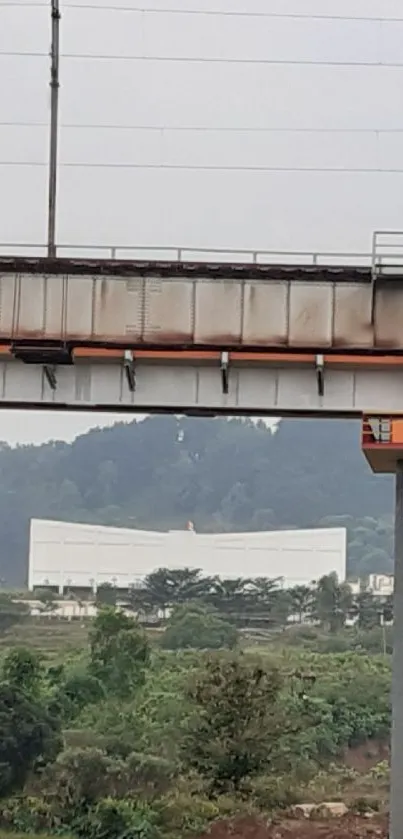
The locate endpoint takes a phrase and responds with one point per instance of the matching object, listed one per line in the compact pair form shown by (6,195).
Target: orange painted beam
(240,356)
(162,355)
(397,431)
(365,360)
(95,352)
(281,358)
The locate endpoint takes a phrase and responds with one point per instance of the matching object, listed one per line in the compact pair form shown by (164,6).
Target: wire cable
(225,129)
(204,167)
(22,54)
(210,12)
(206,60)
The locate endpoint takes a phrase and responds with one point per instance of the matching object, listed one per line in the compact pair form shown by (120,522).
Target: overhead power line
(229,13)
(205,167)
(209,12)
(208,129)
(204,60)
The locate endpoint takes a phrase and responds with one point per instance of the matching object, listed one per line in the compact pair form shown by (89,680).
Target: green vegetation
(118,652)
(222,605)
(195,627)
(232,704)
(223,475)
(155,739)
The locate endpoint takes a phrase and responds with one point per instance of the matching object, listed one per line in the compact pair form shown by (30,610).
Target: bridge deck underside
(199,389)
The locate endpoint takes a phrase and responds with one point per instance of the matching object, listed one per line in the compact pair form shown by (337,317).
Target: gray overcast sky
(278,210)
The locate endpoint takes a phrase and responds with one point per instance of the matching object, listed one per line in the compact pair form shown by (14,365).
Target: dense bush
(194,627)
(187,738)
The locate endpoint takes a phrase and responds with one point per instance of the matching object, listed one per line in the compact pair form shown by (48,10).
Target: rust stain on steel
(310,315)
(54,306)
(168,309)
(389,318)
(218,312)
(163,338)
(36,334)
(113,305)
(352,316)
(79,311)
(30,309)
(104,291)
(265,314)
(8,287)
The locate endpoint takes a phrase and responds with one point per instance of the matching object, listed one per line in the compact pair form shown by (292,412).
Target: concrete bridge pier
(396,791)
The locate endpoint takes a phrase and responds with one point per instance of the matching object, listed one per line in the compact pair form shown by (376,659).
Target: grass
(6,834)
(53,638)
(49,637)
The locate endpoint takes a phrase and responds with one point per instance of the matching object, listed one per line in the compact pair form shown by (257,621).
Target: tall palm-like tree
(302,602)
(333,602)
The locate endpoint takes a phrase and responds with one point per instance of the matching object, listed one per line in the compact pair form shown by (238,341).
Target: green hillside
(222,474)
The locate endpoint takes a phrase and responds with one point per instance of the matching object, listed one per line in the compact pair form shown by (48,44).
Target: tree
(165,588)
(387,608)
(119,651)
(245,601)
(367,609)
(333,603)
(106,595)
(302,601)
(48,600)
(232,597)
(22,669)
(197,627)
(75,691)
(237,723)
(12,612)
(29,735)
(272,601)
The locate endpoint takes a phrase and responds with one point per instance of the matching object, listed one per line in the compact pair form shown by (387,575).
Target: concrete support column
(396,792)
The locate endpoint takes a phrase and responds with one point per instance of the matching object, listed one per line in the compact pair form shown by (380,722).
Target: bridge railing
(187,254)
(387,252)
(386,255)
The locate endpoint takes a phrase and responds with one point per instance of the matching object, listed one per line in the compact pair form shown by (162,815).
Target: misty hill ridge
(221,474)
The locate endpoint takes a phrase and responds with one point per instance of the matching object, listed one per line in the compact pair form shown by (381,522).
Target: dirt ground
(346,828)
(364,757)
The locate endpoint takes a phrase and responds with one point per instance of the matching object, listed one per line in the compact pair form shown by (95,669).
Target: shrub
(274,792)
(194,627)
(182,813)
(113,818)
(27,814)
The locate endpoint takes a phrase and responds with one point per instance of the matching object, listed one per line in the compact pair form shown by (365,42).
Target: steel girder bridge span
(199,332)
(209,333)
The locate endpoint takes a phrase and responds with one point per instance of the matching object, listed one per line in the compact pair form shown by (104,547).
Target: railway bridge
(208,333)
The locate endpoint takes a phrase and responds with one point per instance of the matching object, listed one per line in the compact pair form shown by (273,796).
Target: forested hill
(221,474)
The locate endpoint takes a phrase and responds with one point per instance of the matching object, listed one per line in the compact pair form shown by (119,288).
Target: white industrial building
(64,555)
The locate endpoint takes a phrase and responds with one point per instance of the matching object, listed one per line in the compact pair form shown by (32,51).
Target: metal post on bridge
(396,790)
(54,127)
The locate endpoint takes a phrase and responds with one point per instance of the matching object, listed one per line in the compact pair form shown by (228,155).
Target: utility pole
(54,126)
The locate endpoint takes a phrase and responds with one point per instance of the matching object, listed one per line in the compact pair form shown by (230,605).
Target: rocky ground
(348,827)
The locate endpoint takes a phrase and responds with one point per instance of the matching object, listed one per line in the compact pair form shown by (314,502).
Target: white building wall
(79,555)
